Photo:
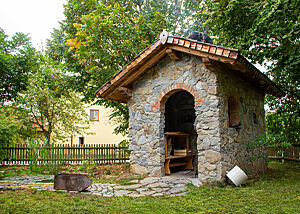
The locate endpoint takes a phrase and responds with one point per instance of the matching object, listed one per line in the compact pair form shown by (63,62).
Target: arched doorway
(180,117)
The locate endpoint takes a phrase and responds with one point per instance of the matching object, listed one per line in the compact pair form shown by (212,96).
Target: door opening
(179,119)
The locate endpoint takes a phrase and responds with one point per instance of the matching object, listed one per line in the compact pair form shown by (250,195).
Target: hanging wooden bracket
(208,63)
(172,54)
(126,91)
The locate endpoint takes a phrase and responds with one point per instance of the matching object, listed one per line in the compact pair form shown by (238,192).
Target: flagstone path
(151,186)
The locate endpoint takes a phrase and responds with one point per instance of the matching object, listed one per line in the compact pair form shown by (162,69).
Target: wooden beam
(172,54)
(115,95)
(202,54)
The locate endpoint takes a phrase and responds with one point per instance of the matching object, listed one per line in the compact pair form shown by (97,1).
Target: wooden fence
(101,154)
(65,154)
(290,154)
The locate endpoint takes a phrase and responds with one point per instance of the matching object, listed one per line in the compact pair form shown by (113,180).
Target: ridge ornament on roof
(164,36)
(213,57)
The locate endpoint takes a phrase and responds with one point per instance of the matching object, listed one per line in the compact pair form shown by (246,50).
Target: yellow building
(100,126)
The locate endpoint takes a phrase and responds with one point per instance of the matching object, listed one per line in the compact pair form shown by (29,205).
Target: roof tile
(181,42)
(205,48)
(212,50)
(193,45)
(219,51)
(226,53)
(187,44)
(170,40)
(199,47)
(233,54)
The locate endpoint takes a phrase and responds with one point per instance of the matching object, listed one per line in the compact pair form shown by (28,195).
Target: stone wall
(252,117)
(218,146)
(146,109)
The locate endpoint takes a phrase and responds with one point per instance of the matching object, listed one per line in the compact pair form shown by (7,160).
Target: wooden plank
(143,55)
(64,154)
(177,164)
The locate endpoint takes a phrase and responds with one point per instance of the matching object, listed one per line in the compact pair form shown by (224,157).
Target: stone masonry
(219,147)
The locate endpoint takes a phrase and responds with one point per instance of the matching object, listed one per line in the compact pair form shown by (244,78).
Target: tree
(267,32)
(105,35)
(48,106)
(16,60)
(9,127)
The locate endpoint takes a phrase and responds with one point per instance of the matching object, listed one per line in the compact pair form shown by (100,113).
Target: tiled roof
(151,55)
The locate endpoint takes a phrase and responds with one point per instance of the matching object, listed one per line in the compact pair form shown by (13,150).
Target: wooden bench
(184,160)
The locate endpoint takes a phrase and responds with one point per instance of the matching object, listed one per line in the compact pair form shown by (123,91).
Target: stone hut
(181,91)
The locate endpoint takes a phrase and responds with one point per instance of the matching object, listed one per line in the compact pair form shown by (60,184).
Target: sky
(34,17)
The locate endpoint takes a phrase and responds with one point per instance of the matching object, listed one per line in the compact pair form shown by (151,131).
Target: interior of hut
(180,118)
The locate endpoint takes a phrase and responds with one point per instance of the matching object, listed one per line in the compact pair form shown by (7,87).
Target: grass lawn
(277,192)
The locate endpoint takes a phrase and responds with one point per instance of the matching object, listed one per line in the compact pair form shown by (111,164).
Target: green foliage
(9,127)
(38,155)
(16,61)
(285,126)
(36,152)
(49,106)
(267,32)
(107,39)
(125,145)
(272,140)
(261,143)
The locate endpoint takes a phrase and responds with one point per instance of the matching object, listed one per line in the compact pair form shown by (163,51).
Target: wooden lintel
(172,54)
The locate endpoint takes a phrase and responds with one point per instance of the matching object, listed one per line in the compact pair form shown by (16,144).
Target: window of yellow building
(94,114)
